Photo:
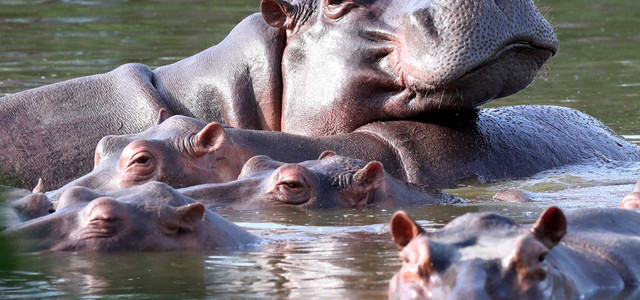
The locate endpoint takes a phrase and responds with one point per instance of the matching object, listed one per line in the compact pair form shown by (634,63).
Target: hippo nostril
(423,23)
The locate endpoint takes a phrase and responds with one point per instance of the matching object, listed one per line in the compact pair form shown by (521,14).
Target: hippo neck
(236,82)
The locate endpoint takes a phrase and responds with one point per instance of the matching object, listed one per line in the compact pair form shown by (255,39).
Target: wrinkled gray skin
(493,144)
(312,67)
(489,256)
(332,181)
(149,217)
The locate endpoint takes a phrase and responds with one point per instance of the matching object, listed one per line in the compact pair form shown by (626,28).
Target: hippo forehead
(336,170)
(478,236)
(174,128)
(155,193)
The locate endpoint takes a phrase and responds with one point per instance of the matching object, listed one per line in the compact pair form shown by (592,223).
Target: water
(324,254)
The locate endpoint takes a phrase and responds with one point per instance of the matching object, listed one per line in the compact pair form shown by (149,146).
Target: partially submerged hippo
(312,67)
(492,144)
(489,256)
(150,217)
(329,182)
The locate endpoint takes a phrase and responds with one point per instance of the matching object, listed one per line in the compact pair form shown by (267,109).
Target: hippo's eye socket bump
(338,8)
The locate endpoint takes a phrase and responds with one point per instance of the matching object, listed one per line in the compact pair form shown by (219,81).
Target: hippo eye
(293,184)
(140,158)
(170,228)
(542,257)
(338,8)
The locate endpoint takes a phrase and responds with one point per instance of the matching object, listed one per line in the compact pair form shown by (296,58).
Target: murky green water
(326,254)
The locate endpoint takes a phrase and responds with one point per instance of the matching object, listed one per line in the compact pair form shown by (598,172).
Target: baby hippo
(329,182)
(149,217)
(489,256)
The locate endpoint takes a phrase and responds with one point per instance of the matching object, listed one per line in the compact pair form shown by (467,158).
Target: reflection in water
(326,254)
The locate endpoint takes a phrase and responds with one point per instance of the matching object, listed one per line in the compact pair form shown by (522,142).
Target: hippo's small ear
(404,228)
(210,139)
(277,13)
(163,114)
(326,154)
(550,227)
(370,177)
(190,215)
(38,187)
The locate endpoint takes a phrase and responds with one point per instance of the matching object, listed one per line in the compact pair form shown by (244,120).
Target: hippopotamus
(632,200)
(149,217)
(331,181)
(486,145)
(311,67)
(585,253)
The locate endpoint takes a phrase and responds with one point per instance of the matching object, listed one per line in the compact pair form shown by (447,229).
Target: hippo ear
(326,154)
(404,228)
(39,187)
(550,227)
(190,215)
(210,139)
(163,114)
(277,13)
(370,177)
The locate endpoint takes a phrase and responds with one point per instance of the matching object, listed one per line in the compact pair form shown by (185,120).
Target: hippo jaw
(387,60)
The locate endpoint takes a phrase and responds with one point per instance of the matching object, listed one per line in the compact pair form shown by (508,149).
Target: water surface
(328,254)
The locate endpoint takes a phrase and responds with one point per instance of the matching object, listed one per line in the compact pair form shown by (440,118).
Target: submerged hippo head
(150,217)
(180,151)
(351,62)
(329,182)
(479,256)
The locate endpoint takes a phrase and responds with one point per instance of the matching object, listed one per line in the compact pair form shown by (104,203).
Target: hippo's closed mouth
(539,50)
(95,235)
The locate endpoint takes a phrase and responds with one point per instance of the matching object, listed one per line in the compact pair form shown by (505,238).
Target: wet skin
(493,144)
(587,253)
(332,181)
(149,217)
(311,67)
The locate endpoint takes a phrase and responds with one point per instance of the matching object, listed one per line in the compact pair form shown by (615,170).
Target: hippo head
(479,256)
(150,217)
(350,62)
(331,181)
(180,151)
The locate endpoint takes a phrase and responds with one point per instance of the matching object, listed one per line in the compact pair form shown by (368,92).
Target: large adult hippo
(150,217)
(312,67)
(490,144)
(589,253)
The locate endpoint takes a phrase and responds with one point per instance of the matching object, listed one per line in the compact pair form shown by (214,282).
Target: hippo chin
(587,253)
(150,217)
(312,67)
(332,181)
